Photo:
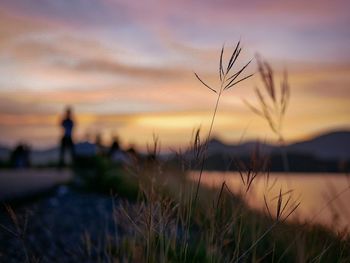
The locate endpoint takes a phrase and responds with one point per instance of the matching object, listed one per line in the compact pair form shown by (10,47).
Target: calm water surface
(324,198)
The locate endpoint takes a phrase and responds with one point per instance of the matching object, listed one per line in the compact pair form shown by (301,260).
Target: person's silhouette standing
(67,142)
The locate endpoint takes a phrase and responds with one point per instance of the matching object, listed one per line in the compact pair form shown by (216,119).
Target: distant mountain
(325,153)
(329,146)
(51,155)
(334,145)
(217,147)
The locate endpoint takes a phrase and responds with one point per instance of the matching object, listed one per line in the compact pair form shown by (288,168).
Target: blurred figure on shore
(20,156)
(67,143)
(115,147)
(116,154)
(133,155)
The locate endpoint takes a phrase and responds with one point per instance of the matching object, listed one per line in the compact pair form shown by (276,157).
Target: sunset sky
(127,67)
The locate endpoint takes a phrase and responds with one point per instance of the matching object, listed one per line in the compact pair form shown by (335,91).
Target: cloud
(67,13)
(117,68)
(41,57)
(14,105)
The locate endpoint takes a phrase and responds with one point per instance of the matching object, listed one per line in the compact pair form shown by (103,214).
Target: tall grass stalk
(227,81)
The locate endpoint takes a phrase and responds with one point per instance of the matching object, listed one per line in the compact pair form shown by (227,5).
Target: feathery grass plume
(228,79)
(284,209)
(272,108)
(249,172)
(273,102)
(285,205)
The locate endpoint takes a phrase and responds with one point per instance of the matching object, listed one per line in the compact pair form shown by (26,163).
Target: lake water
(324,198)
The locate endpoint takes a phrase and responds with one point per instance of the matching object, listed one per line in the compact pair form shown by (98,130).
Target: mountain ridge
(329,146)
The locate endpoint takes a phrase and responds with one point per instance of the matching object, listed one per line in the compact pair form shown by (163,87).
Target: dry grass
(228,79)
(273,103)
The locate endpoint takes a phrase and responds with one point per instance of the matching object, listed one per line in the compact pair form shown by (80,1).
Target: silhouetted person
(116,153)
(115,147)
(67,142)
(133,156)
(20,156)
(132,152)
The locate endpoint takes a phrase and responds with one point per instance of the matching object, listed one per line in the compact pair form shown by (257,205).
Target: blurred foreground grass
(160,221)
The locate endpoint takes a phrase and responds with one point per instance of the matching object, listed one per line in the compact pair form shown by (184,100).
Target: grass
(165,217)
(166,227)
(273,105)
(99,174)
(227,81)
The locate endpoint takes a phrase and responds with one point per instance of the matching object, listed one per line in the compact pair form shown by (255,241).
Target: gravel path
(60,228)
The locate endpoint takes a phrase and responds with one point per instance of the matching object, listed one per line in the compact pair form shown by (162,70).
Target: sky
(126,67)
